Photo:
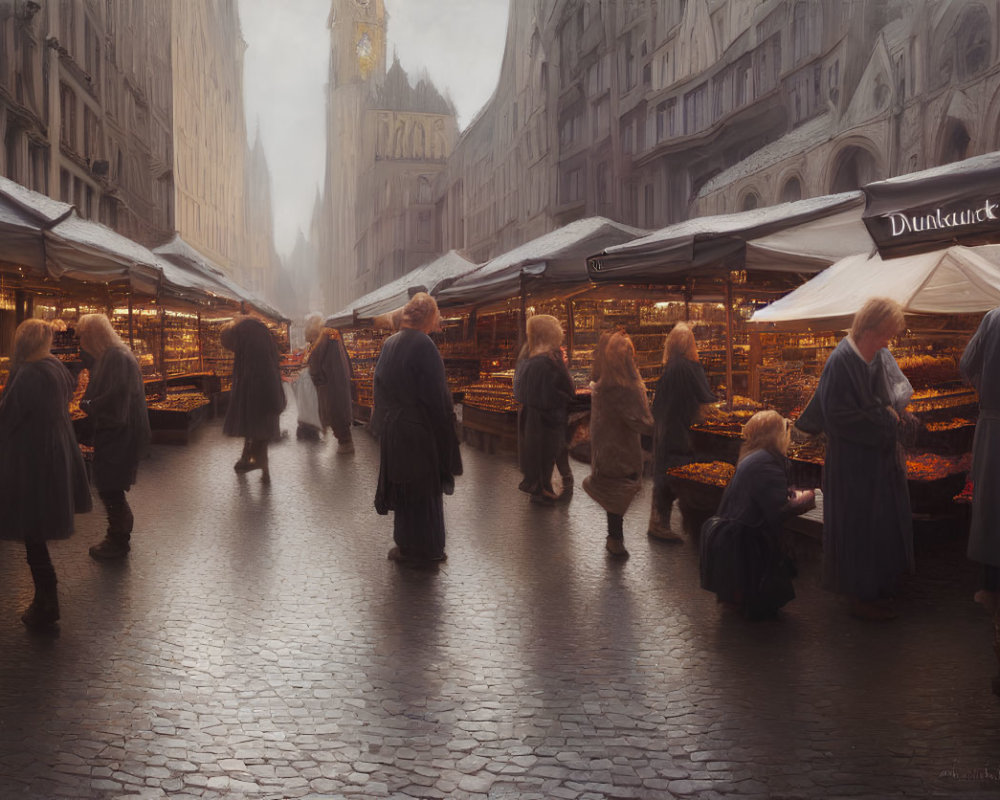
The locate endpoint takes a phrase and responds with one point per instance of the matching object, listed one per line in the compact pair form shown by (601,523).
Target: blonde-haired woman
(867,522)
(43,481)
(413,418)
(115,403)
(619,417)
(544,388)
(679,397)
(745,559)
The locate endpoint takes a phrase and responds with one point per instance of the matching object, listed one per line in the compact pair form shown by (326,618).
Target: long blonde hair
(97,328)
(614,364)
(680,344)
(545,333)
(765,430)
(32,341)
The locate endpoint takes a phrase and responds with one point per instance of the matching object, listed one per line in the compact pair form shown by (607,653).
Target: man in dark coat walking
(414,420)
(115,402)
(257,397)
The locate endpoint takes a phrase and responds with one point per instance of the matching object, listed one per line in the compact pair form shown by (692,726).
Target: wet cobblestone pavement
(257,643)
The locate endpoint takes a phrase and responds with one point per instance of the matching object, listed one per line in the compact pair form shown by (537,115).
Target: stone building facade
(85,109)
(651,111)
(387,143)
(133,112)
(223,205)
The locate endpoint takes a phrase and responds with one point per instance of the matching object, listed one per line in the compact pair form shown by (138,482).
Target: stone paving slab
(258,644)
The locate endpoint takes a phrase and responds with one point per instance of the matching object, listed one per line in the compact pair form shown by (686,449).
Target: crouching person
(743,557)
(115,402)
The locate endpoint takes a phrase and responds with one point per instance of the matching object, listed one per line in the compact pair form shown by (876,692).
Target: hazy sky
(458,42)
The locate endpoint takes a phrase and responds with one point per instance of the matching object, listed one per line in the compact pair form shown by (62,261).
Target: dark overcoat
(257,397)
(619,417)
(43,481)
(413,417)
(116,405)
(680,392)
(744,558)
(544,388)
(330,370)
(980,366)
(867,523)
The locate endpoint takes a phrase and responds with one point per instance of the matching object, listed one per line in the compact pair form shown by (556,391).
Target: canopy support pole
(729,343)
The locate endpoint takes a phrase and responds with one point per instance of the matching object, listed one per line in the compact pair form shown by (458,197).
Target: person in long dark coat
(544,388)
(679,398)
(745,558)
(980,366)
(115,402)
(619,417)
(330,370)
(413,417)
(257,397)
(867,522)
(43,480)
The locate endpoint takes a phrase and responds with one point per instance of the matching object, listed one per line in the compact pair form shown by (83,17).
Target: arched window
(855,167)
(972,42)
(750,201)
(955,145)
(792,190)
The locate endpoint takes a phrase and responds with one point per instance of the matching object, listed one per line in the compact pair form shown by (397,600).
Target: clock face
(365,48)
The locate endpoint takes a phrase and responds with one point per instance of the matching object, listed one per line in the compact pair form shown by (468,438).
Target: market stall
(546,275)
(365,323)
(57,266)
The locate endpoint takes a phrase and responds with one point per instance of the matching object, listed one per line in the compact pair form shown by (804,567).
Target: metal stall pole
(131,329)
(729,343)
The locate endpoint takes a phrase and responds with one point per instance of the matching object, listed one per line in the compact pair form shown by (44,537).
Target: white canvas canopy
(956,280)
(430,278)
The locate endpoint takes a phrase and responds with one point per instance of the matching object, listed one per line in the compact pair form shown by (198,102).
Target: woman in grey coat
(980,366)
(115,402)
(43,482)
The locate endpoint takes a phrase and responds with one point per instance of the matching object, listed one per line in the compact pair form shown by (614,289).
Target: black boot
(44,609)
(245,464)
(115,543)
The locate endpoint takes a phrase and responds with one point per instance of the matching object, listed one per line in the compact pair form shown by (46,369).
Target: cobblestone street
(258,643)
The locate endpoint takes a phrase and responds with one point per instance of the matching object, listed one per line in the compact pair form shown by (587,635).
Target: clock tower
(357,67)
(357,41)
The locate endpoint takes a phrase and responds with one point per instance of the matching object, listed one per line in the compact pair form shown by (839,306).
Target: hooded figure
(257,397)
(115,402)
(544,388)
(330,370)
